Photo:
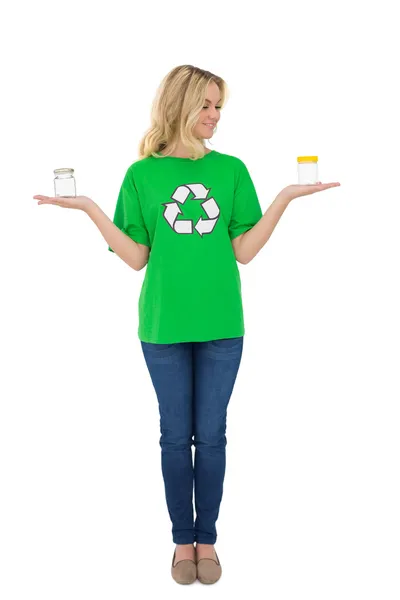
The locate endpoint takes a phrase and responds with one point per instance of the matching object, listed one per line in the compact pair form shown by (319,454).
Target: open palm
(298,189)
(79,202)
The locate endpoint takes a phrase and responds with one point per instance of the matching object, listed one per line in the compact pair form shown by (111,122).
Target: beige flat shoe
(208,569)
(184,571)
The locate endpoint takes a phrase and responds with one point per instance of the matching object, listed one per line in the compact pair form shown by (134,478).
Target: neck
(180,151)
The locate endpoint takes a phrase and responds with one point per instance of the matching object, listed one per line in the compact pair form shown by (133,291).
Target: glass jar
(307,169)
(64,183)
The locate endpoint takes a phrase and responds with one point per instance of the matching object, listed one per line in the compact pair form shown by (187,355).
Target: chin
(204,136)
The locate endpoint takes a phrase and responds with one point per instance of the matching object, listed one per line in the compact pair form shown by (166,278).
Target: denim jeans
(193,382)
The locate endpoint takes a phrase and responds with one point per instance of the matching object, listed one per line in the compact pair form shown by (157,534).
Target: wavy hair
(175,111)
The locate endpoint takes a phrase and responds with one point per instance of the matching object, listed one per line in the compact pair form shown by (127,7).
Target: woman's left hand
(296,190)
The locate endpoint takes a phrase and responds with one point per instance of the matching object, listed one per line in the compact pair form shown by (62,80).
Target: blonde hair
(175,111)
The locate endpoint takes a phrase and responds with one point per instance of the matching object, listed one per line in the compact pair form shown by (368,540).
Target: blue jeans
(193,382)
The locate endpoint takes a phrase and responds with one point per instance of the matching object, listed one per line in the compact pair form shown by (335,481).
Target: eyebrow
(207,100)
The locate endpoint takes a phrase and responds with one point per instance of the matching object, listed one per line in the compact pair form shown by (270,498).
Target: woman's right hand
(80,202)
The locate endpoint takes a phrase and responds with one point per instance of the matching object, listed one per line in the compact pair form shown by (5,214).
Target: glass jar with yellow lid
(307,169)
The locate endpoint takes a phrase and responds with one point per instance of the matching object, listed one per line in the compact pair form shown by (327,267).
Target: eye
(219,107)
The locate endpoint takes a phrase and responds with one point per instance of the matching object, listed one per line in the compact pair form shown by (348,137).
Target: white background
(311,497)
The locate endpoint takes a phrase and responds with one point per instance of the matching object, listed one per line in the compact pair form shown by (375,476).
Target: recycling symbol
(180,195)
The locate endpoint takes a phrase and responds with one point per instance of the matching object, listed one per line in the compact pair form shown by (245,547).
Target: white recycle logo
(180,195)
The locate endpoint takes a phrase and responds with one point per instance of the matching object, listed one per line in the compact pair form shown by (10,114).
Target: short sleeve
(128,214)
(246,210)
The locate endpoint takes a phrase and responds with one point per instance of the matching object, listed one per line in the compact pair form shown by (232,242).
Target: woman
(190,214)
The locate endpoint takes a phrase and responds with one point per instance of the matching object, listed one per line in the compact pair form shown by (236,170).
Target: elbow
(247,260)
(243,260)
(143,257)
(141,266)
(240,260)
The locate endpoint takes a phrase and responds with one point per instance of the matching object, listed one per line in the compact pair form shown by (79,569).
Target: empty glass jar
(307,169)
(64,182)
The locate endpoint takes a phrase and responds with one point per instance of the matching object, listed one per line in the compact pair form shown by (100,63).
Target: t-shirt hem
(181,341)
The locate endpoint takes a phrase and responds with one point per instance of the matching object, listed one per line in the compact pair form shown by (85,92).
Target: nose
(213,114)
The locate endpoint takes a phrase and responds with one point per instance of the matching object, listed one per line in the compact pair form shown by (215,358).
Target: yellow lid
(302,159)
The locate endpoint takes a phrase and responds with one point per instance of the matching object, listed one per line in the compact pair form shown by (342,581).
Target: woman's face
(209,114)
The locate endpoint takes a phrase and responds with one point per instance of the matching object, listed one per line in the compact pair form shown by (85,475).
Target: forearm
(256,237)
(126,248)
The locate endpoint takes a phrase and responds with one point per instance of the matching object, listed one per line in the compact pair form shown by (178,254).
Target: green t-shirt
(188,212)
